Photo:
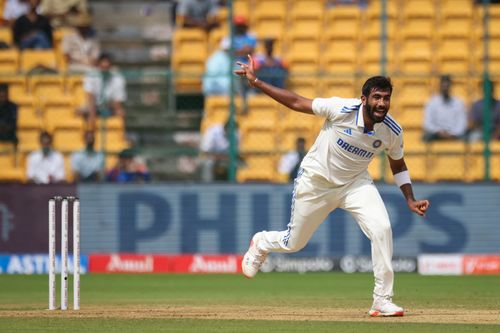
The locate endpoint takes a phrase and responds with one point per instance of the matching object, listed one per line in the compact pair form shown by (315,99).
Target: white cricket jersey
(342,150)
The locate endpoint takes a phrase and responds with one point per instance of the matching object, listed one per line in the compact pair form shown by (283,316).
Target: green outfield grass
(323,302)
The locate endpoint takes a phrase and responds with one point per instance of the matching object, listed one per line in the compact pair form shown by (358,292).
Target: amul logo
(5,223)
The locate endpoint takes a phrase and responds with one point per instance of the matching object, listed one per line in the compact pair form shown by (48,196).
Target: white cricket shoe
(383,307)
(254,258)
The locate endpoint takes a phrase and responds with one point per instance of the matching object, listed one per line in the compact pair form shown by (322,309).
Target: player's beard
(375,117)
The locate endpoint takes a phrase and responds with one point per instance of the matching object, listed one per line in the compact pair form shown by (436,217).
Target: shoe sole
(374,313)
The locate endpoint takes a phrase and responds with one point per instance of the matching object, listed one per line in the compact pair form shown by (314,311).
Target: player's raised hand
(419,206)
(247,70)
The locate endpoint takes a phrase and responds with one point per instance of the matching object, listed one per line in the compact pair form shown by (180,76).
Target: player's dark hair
(377,82)
(105,56)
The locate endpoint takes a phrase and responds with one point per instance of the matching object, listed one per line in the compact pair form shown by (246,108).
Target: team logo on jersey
(377,143)
(348,131)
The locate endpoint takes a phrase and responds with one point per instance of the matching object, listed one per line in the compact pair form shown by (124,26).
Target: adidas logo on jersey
(348,131)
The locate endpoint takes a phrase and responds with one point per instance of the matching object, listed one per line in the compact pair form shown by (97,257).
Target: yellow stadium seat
(340,61)
(343,21)
(114,141)
(417,31)
(17,86)
(74,88)
(371,58)
(416,57)
(258,168)
(374,10)
(297,121)
(28,139)
(112,123)
(269,17)
(60,114)
(447,161)
(214,39)
(258,140)
(418,165)
(339,86)
(6,35)
(305,84)
(262,114)
(412,140)
(474,167)
(31,59)
(9,61)
(372,30)
(493,56)
(68,140)
(307,10)
(418,10)
(29,115)
(456,10)
(288,138)
(415,90)
(453,57)
(47,87)
(241,7)
(188,58)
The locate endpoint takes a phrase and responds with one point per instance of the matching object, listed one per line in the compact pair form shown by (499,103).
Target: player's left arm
(402,179)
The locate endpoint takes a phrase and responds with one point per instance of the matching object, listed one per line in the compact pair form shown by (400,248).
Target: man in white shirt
(87,164)
(105,89)
(334,175)
(45,166)
(445,115)
(214,150)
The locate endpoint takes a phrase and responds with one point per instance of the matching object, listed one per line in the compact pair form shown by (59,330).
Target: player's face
(377,105)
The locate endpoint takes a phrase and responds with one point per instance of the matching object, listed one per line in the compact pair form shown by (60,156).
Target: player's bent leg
(309,210)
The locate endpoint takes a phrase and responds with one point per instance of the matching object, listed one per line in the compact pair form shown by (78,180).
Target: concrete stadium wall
(191,218)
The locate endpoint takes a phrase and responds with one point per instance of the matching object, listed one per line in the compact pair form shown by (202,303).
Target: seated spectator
(13,10)
(290,163)
(214,153)
(45,166)
(31,30)
(130,169)
(105,89)
(81,48)
(269,68)
(8,116)
(476,117)
(59,12)
(87,163)
(198,14)
(445,115)
(217,78)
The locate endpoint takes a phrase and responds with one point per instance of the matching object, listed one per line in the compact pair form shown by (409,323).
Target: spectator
(217,79)
(244,42)
(214,153)
(32,30)
(198,14)
(45,166)
(476,118)
(81,48)
(290,163)
(87,163)
(130,169)
(105,89)
(8,116)
(269,68)
(60,11)
(13,10)
(445,115)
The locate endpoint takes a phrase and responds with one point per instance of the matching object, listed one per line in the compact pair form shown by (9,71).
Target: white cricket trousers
(314,198)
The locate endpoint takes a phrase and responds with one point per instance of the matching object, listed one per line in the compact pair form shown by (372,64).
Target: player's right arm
(287,98)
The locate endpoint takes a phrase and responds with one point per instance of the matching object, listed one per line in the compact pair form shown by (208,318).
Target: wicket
(65,201)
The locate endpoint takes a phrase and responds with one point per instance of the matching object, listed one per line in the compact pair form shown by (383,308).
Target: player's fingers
(240,72)
(250,61)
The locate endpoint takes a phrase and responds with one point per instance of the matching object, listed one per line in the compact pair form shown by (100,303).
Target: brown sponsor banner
(24,216)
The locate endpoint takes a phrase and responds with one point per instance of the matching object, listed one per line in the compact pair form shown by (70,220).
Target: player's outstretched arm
(283,96)
(402,179)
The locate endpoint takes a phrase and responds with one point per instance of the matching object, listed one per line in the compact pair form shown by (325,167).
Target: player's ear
(363,99)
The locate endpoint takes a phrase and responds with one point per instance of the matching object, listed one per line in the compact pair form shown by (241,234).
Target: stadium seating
(259,167)
(9,61)
(32,59)
(188,58)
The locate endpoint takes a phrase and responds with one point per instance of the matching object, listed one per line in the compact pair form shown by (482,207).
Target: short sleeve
(119,93)
(327,107)
(395,151)
(90,82)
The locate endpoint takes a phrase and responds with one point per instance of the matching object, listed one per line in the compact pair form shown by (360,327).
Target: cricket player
(334,175)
